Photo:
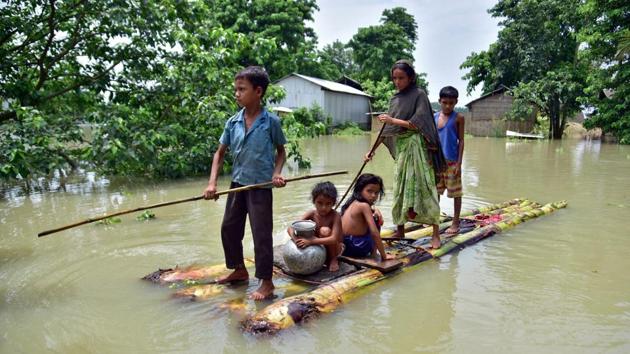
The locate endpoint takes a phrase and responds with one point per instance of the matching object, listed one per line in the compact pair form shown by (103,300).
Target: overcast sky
(448,31)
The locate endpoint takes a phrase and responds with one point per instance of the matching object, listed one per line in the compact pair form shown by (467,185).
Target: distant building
(346,80)
(486,115)
(342,102)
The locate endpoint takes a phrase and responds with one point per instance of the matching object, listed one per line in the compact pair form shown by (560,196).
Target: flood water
(556,284)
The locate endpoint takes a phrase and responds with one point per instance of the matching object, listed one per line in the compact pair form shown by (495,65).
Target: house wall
(347,108)
(341,106)
(486,117)
(300,93)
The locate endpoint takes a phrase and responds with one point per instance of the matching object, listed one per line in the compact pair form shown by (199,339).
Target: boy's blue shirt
(253,151)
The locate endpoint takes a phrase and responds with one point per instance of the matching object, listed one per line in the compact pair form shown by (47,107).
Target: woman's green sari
(414,182)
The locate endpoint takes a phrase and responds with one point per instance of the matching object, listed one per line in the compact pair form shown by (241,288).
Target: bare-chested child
(327,224)
(360,224)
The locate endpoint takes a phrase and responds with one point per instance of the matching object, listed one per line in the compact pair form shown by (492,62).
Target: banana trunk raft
(307,297)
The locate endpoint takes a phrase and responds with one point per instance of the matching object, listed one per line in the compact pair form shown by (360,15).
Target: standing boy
(450,126)
(251,135)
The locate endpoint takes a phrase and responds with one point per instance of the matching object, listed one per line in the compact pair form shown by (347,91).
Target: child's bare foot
(411,214)
(334,265)
(264,291)
(237,275)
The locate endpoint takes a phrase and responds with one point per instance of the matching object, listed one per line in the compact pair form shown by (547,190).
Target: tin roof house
(342,102)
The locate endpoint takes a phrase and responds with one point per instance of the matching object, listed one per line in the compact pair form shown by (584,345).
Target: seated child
(359,223)
(327,224)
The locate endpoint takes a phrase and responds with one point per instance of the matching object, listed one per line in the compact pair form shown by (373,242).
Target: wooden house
(486,115)
(342,102)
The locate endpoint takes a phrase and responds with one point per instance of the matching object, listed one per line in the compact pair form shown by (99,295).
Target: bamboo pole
(495,228)
(364,162)
(304,307)
(412,226)
(159,205)
(523,205)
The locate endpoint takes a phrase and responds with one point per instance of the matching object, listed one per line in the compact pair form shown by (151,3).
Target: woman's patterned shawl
(412,104)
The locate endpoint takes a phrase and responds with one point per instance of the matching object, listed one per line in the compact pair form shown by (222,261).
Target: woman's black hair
(362,181)
(326,189)
(407,67)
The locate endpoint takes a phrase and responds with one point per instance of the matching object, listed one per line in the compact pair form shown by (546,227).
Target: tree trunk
(554,118)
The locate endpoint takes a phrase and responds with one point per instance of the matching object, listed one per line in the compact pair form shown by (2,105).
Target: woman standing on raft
(412,139)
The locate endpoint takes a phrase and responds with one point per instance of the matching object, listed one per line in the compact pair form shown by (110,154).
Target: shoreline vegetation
(156,93)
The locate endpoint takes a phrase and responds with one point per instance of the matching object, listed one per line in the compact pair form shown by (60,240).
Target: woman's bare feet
(264,291)
(239,274)
(435,238)
(400,232)
(435,243)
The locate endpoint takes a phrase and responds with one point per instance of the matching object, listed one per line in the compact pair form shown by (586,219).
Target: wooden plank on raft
(387,266)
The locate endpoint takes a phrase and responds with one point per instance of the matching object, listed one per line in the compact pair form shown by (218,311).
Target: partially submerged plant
(109,221)
(146,215)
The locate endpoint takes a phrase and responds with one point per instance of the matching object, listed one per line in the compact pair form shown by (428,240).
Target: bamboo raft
(307,297)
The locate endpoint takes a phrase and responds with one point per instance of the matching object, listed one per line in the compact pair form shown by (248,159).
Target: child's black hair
(407,67)
(256,75)
(449,92)
(326,189)
(362,181)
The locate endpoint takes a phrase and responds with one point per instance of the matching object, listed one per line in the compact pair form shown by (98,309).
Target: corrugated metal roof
(501,89)
(329,85)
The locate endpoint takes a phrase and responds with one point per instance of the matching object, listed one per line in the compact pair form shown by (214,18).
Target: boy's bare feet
(334,265)
(453,229)
(264,291)
(239,274)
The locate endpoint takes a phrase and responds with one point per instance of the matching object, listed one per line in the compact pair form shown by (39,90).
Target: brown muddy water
(556,284)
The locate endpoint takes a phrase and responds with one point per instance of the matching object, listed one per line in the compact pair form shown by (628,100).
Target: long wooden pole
(233,190)
(364,162)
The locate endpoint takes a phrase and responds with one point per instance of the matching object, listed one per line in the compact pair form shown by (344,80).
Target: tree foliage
(283,21)
(335,60)
(57,59)
(399,16)
(376,48)
(559,57)
(152,81)
(536,55)
(607,50)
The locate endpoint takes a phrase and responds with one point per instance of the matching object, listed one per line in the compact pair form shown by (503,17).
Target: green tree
(607,49)
(376,48)
(153,81)
(283,21)
(335,60)
(399,16)
(536,55)
(57,59)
